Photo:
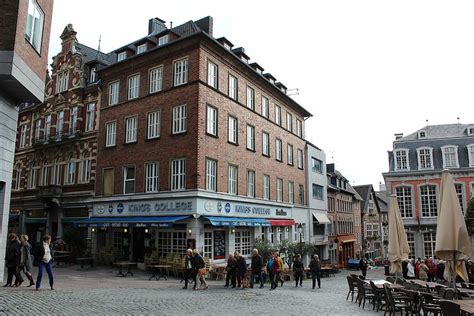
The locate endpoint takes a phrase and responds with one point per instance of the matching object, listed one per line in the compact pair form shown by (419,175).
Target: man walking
(315,268)
(256,268)
(187,267)
(44,260)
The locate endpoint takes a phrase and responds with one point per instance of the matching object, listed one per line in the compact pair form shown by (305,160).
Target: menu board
(219,244)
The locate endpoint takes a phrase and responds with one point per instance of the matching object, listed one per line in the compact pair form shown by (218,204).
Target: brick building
(196,147)
(415,166)
(25,27)
(54,170)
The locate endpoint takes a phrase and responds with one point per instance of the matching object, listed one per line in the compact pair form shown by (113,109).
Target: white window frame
(233,87)
(73,120)
(265,106)
(114,90)
(44,174)
(278,149)
(250,100)
(250,137)
(211,119)
(299,128)
(152,173)
(243,242)
(211,174)
(266,187)
(232,129)
(470,154)
(212,74)
(162,40)
(47,127)
(131,127)
(291,192)
(251,183)
(23,134)
(59,124)
(424,166)
(92,75)
(90,116)
(398,167)
(57,172)
(404,195)
(153,124)
(299,158)
(85,169)
(179,119)
(70,175)
(289,122)
(121,56)
(32,176)
(279,190)
(141,48)
(289,149)
(233,179)
(62,81)
(133,84)
(34,29)
(37,129)
(430,196)
(460,194)
(444,150)
(178,174)
(266,144)
(180,71)
(111,134)
(155,77)
(127,179)
(278,115)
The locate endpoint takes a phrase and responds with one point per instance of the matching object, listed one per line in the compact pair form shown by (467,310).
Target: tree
(470,217)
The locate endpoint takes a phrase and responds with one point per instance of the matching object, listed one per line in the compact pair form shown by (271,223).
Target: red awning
(282,222)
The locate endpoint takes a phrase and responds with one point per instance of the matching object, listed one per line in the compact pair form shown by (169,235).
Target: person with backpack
(271,272)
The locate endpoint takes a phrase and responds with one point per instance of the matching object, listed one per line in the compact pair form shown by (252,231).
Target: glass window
(23,134)
(59,124)
(301,194)
(180,72)
(251,183)
(265,144)
(429,206)
(57,170)
(411,245)
(17,178)
(289,122)
(44,174)
(73,120)
(429,242)
(121,56)
(153,130)
(133,86)
(318,192)
(266,187)
(71,172)
(401,160)
(212,74)
(85,169)
(163,40)
(232,130)
(110,134)
(62,81)
(233,87)
(151,177)
(233,180)
(424,158)
(90,117)
(128,179)
(34,25)
(460,193)
(37,129)
(290,154)
(278,115)
(178,174)
(299,157)
(141,48)
(279,187)
(208,243)
(404,200)
(265,107)
(179,119)
(211,175)
(250,98)
(131,129)
(211,120)
(291,192)
(92,75)
(450,157)
(243,242)
(278,150)
(47,127)
(299,128)
(114,92)
(250,137)
(156,79)
(32,180)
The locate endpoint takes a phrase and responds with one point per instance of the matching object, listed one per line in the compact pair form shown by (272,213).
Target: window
(279,187)
(290,154)
(278,150)
(301,194)
(110,134)
(92,75)
(411,245)
(299,157)
(278,115)
(180,72)
(32,180)
(233,87)
(57,170)
(250,137)
(34,25)
(299,128)
(156,79)
(404,199)
(59,124)
(211,120)
(232,130)
(450,157)
(17,178)
(211,174)
(233,180)
(250,183)
(90,117)
(243,242)
(151,177)
(460,193)
(73,120)
(108,182)
(70,172)
(141,48)
(208,243)
(289,122)
(250,98)
(131,130)
(212,74)
(128,179)
(37,129)
(163,40)
(317,165)
(425,158)
(85,169)
(153,130)
(470,153)
(114,92)
(429,243)
(421,134)
(47,127)
(23,134)
(265,107)
(178,174)
(265,144)
(62,81)
(121,56)
(401,160)
(133,86)
(429,206)
(318,192)
(44,174)
(266,187)
(291,192)
(179,119)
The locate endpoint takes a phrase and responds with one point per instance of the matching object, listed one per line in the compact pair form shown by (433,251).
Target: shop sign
(265,211)
(143,208)
(281,212)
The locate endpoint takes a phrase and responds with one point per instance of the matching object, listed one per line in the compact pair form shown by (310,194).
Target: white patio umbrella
(452,239)
(398,248)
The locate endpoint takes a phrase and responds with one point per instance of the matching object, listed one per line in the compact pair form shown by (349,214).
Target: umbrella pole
(454,270)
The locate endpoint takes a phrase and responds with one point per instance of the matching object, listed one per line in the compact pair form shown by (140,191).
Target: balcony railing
(56,138)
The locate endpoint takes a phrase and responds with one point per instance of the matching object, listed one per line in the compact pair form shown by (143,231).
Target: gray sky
(365,69)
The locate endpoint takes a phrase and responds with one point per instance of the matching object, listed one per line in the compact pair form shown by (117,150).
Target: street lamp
(300,230)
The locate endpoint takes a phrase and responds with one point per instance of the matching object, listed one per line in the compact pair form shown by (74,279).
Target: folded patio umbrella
(452,239)
(398,248)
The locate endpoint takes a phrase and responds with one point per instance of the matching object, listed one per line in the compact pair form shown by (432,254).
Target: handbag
(202,271)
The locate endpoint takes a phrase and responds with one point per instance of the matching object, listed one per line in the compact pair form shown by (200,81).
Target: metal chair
(363,293)
(351,288)
(395,305)
(450,308)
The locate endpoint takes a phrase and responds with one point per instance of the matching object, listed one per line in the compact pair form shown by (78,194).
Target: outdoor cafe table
(61,254)
(161,269)
(467,306)
(380,283)
(466,292)
(127,264)
(431,285)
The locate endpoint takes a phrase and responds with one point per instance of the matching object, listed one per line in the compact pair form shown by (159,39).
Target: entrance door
(138,249)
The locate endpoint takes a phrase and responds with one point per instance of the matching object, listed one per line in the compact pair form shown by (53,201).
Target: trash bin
(387,269)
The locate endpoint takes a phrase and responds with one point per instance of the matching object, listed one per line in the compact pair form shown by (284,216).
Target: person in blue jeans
(44,260)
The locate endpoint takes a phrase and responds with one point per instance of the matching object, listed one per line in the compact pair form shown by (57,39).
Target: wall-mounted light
(93,230)
(287,229)
(233,231)
(190,231)
(125,230)
(146,230)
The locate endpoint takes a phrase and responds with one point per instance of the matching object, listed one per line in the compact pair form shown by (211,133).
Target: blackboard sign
(219,244)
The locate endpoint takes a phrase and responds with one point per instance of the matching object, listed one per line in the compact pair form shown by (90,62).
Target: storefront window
(243,242)
(179,242)
(118,236)
(207,252)
(171,242)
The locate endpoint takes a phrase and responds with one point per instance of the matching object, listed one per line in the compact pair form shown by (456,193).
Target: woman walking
(230,268)
(26,264)
(241,268)
(199,268)
(44,260)
(12,258)
(315,267)
(298,269)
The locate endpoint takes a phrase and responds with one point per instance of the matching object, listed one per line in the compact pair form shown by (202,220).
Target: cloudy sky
(364,69)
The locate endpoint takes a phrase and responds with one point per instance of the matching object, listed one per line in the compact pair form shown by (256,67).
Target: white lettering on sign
(253,210)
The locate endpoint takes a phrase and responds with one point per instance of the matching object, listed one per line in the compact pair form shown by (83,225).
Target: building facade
(24,42)
(197,147)
(415,166)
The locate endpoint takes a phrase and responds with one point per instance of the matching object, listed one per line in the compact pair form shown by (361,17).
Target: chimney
(206,24)
(382,187)
(398,136)
(155,26)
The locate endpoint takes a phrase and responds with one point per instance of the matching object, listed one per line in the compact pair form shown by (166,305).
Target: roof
(365,191)
(439,131)
(89,54)
(383,200)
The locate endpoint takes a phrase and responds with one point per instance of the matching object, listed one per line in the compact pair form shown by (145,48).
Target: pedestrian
(405,268)
(411,269)
(231,269)
(44,260)
(281,268)
(256,268)
(12,259)
(241,268)
(199,270)
(298,269)
(431,270)
(417,268)
(315,268)
(271,274)
(363,267)
(26,262)
(187,267)
(440,270)
(423,271)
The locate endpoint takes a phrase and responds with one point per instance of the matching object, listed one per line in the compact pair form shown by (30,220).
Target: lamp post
(300,230)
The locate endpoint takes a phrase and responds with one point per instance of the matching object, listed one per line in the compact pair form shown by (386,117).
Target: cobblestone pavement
(100,292)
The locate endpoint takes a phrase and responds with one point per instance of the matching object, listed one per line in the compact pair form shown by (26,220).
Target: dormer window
(244,59)
(421,134)
(121,56)
(401,160)
(163,40)
(93,75)
(450,156)
(470,131)
(470,154)
(425,158)
(141,49)
(227,46)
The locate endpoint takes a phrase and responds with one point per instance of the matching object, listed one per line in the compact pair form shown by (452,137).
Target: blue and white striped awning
(238,221)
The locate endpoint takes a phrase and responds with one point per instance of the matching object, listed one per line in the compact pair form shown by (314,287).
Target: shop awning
(321,218)
(140,221)
(238,221)
(282,222)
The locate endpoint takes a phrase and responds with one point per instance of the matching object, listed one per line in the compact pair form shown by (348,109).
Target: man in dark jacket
(187,267)
(12,258)
(231,269)
(315,268)
(256,268)
(241,268)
